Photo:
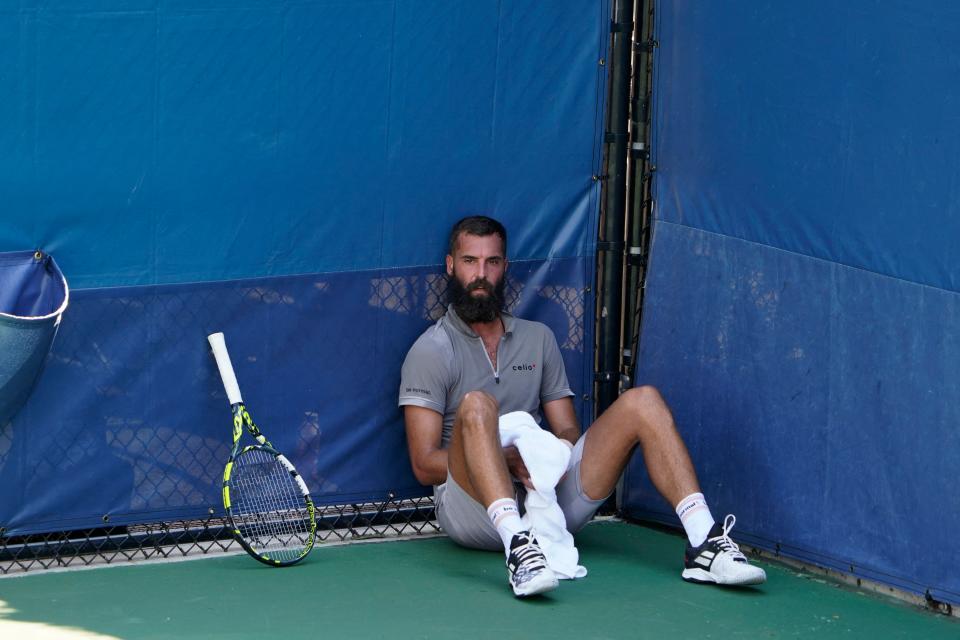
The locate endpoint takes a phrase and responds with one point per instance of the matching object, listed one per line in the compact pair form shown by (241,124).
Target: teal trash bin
(33,297)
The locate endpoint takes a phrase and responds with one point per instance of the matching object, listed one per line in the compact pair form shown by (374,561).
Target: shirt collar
(457,323)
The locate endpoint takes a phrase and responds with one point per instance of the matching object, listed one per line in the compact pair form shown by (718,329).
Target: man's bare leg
(475,457)
(475,461)
(638,417)
(641,417)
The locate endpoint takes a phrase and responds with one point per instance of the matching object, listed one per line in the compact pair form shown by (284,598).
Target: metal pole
(638,194)
(610,244)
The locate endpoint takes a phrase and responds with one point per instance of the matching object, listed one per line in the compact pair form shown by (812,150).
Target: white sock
(505,516)
(696,518)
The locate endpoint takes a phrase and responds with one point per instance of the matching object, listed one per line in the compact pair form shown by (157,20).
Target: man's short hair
(477,226)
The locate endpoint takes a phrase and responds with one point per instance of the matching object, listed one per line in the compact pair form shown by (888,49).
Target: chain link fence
(182,538)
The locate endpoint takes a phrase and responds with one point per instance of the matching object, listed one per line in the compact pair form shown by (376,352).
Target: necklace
(492,353)
(491,349)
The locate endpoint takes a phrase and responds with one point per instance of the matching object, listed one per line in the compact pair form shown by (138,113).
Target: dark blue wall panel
(818,402)
(802,303)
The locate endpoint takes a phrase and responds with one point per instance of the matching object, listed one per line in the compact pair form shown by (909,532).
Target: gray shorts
(466,521)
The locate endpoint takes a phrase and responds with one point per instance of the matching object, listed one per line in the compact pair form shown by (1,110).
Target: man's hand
(516,467)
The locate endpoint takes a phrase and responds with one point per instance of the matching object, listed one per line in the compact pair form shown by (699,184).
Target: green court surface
(430,588)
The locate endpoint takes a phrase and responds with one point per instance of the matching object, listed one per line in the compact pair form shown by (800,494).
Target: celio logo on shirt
(524,367)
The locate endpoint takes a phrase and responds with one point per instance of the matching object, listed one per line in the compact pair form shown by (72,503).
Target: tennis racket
(268,505)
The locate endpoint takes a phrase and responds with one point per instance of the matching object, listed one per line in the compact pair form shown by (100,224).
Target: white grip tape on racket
(229,378)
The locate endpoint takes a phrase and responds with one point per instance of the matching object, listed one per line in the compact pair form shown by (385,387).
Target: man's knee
(647,406)
(477,410)
(643,399)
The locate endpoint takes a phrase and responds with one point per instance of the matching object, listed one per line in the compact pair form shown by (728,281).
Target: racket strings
(268,507)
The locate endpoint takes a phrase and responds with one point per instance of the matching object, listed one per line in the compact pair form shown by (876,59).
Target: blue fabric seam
(925,285)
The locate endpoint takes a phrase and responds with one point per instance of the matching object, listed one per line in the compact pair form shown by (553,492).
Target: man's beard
(472,308)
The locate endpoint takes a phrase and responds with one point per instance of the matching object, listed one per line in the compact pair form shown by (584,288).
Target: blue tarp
(802,299)
(154,143)
(285,173)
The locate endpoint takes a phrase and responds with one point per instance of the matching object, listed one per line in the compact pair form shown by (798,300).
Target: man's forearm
(433,468)
(562,419)
(570,434)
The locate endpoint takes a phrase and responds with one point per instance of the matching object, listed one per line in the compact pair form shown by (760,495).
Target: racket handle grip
(219,346)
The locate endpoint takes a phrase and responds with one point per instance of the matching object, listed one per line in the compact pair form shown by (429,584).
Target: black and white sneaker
(529,573)
(719,560)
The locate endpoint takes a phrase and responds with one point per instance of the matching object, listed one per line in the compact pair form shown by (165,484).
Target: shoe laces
(528,552)
(725,542)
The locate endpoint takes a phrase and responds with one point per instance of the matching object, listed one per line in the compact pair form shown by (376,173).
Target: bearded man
(478,363)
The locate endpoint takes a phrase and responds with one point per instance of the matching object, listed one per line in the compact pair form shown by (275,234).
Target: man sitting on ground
(459,377)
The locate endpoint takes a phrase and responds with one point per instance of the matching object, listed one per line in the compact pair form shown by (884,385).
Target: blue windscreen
(803,287)
(800,127)
(196,141)
(286,173)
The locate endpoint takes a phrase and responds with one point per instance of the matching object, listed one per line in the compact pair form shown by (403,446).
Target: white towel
(546,458)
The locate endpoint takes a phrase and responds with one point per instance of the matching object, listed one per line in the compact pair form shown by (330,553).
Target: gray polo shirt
(449,360)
